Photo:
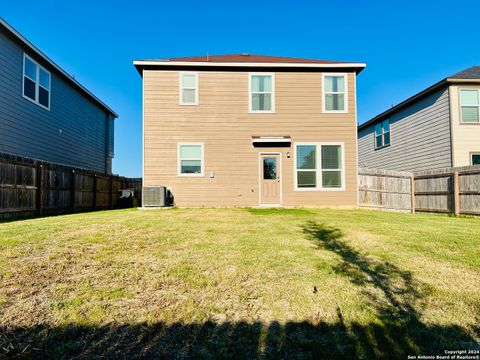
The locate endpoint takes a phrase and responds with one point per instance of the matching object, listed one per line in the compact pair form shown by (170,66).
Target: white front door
(270,186)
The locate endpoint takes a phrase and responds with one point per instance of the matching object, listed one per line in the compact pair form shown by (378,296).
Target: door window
(269,168)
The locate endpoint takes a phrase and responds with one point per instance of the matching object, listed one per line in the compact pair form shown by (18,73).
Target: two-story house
(438,127)
(250,130)
(46,114)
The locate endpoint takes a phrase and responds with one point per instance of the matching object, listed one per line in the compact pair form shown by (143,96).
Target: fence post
(412,188)
(94,192)
(456,192)
(40,188)
(72,190)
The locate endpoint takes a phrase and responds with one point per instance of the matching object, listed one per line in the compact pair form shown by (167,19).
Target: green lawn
(245,283)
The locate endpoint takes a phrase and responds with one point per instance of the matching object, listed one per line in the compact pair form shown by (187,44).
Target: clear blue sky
(408,45)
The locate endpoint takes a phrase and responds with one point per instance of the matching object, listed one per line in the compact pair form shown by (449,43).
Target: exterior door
(270,186)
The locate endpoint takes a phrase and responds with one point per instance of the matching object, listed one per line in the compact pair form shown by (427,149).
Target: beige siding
(222,122)
(465,137)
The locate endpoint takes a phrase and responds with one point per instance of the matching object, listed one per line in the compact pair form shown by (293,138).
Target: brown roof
(237,62)
(252,58)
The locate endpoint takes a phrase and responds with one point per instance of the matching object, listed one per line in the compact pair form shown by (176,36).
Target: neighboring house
(438,127)
(45,113)
(251,130)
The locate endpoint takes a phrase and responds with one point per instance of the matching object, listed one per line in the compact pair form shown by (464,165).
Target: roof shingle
(470,73)
(252,58)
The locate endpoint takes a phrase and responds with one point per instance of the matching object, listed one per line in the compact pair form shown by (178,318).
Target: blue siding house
(46,114)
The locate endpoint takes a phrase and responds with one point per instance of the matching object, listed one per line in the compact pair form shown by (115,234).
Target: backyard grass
(242,283)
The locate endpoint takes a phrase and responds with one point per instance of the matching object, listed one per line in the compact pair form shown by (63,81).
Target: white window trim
(472,154)
(318,170)
(250,110)
(324,94)
(382,135)
(37,83)
(179,159)
(180,83)
(460,102)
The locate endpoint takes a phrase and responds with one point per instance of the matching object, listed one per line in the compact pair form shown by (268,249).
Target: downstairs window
(319,166)
(190,159)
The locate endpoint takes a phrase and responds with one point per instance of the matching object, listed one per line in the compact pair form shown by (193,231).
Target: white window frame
(179,159)
(460,109)
(181,88)
(325,93)
(37,83)
(382,134)
(250,93)
(472,154)
(318,168)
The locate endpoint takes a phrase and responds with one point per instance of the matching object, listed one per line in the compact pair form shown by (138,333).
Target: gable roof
(4,26)
(252,58)
(469,75)
(246,60)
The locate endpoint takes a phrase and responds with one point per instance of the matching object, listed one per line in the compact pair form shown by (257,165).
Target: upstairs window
(190,159)
(334,93)
(36,83)
(262,93)
(319,166)
(382,134)
(188,88)
(470,105)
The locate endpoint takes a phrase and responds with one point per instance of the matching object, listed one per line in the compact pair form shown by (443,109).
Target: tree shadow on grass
(397,299)
(400,292)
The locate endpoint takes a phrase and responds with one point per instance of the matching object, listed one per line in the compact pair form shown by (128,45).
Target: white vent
(154,196)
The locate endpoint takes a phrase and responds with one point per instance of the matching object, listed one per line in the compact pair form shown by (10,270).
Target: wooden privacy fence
(31,187)
(385,189)
(448,190)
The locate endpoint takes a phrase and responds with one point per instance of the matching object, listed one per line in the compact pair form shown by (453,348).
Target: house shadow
(241,340)
(393,294)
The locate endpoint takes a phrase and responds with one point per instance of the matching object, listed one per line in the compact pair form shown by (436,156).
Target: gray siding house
(438,127)
(46,114)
